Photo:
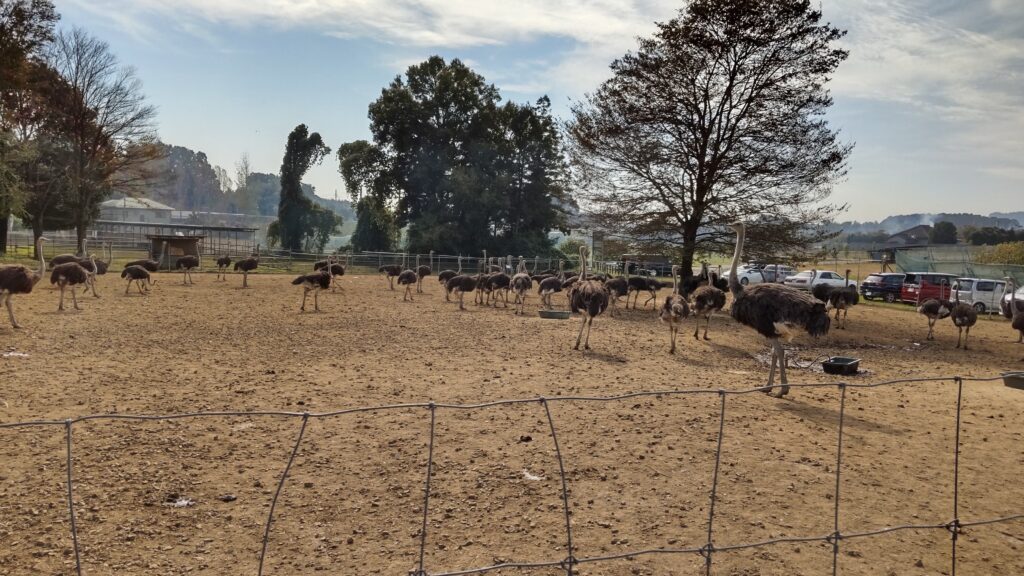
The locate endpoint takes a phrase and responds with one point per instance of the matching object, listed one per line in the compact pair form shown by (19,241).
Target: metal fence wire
(707,550)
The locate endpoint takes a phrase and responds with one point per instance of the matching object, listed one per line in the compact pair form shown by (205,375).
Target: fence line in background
(568,563)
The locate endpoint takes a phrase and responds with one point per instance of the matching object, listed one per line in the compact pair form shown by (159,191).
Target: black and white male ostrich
(521,285)
(423,271)
(148,263)
(497,284)
(707,300)
(462,283)
(1007,308)
(408,278)
(247,265)
(187,264)
(1016,311)
(616,288)
(551,285)
(69,274)
(315,282)
(674,310)
(222,267)
(587,297)
(934,310)
(964,317)
(139,275)
(775,311)
(20,280)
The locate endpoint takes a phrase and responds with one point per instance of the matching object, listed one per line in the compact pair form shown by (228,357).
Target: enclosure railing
(708,549)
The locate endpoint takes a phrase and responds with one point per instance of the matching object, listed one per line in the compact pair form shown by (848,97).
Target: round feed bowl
(555,314)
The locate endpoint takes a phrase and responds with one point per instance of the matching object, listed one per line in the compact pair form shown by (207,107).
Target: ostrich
(964,316)
(423,271)
(445,275)
(636,284)
(407,278)
(149,264)
(248,265)
(20,280)
(315,282)
(1017,319)
(186,264)
(390,271)
(935,310)
(222,267)
(707,300)
(521,284)
(462,283)
(137,274)
(497,284)
(588,297)
(1008,309)
(674,310)
(842,299)
(69,274)
(92,267)
(775,311)
(617,287)
(551,285)
(688,285)
(334,268)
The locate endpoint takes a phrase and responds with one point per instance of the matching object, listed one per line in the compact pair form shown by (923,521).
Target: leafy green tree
(1005,253)
(320,224)
(943,233)
(375,226)
(990,235)
(301,153)
(717,117)
(463,173)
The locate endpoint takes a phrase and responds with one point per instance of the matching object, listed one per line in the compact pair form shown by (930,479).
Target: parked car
(810,278)
(920,286)
(982,293)
(885,286)
(1020,299)
(767,273)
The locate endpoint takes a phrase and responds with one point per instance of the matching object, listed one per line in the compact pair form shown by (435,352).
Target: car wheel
(890,298)
(744,281)
(979,307)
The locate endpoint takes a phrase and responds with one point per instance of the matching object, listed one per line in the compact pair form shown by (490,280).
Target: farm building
(169,248)
(231,240)
(135,210)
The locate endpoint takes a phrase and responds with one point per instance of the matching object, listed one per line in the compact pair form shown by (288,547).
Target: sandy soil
(639,470)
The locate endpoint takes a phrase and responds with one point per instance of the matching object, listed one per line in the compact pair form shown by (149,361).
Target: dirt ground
(639,470)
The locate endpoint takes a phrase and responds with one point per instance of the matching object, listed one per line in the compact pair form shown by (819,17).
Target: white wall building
(139,210)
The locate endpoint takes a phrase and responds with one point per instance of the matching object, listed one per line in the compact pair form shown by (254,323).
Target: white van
(982,293)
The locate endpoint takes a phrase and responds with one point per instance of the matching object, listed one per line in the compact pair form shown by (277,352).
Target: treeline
(74,125)
(457,169)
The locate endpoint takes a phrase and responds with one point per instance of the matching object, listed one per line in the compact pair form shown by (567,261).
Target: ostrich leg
(771,371)
(580,335)
(706,326)
(10,309)
(782,370)
(305,293)
(590,324)
(60,308)
(127,286)
(316,300)
(74,298)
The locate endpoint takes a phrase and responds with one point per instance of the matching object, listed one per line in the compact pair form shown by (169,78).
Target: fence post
(280,485)
(426,491)
(954,525)
(570,560)
(71,500)
(710,547)
(836,535)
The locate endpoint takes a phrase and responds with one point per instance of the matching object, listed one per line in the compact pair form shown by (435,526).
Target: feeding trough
(841,366)
(1014,379)
(555,314)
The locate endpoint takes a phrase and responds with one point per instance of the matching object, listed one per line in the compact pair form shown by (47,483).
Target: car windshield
(874,278)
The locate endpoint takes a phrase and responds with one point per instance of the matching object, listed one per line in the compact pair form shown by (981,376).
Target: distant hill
(894,224)
(1018,216)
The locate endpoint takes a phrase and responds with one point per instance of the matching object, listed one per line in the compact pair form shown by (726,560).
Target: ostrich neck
(42,261)
(734,283)
(1013,303)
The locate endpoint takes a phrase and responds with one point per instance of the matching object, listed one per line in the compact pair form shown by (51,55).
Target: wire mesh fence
(708,549)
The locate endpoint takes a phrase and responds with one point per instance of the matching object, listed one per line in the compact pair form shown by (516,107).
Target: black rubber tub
(841,366)
(1014,379)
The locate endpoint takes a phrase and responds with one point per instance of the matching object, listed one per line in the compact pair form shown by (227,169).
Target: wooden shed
(177,246)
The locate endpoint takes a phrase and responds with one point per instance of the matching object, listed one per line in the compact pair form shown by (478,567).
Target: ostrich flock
(776,311)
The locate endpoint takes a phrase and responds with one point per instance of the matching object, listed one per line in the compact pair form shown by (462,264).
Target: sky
(932,95)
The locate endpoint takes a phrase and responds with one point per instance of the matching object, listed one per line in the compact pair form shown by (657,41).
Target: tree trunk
(37,233)
(689,247)
(81,227)
(4,221)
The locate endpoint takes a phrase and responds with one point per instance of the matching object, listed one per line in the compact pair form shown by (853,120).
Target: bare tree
(717,117)
(108,122)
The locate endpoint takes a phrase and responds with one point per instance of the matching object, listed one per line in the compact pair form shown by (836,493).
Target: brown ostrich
(587,297)
(247,265)
(20,280)
(187,264)
(964,317)
(617,287)
(222,267)
(69,274)
(407,278)
(445,275)
(462,283)
(707,300)
(423,271)
(521,284)
(776,311)
(335,269)
(551,285)
(674,310)
(314,283)
(139,275)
